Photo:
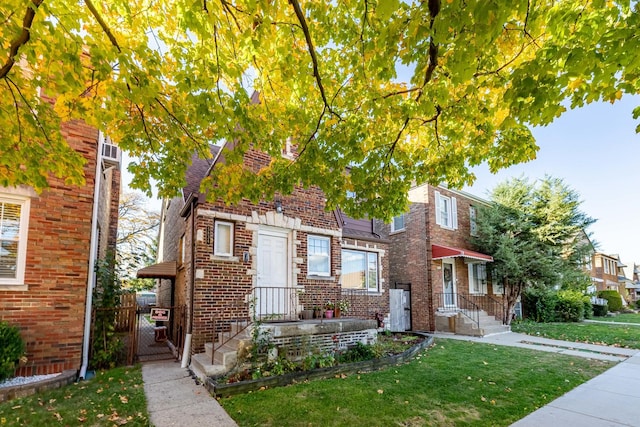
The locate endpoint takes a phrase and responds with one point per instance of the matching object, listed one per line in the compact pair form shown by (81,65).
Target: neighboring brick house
(276,257)
(49,245)
(430,254)
(604,271)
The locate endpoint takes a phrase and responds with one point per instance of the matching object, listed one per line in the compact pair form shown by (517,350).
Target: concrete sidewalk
(610,399)
(175,399)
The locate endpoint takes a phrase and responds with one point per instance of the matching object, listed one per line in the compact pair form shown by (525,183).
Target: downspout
(186,354)
(91,277)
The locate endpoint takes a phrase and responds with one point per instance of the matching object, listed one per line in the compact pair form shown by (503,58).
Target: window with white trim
(360,270)
(14,224)
(473,224)
(318,256)
(223,238)
(477,278)
(446,211)
(498,287)
(398,223)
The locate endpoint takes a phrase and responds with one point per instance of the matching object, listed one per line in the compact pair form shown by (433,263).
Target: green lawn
(627,336)
(115,397)
(623,317)
(453,383)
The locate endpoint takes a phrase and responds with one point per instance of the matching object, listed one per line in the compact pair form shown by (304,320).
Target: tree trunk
(511,292)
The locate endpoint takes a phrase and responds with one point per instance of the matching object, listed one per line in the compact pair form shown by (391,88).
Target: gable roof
(197,171)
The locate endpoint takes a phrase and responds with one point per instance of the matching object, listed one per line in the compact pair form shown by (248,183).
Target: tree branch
(15,103)
(312,52)
(22,39)
(102,24)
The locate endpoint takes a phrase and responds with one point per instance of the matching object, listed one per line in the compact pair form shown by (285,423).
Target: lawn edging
(24,390)
(225,390)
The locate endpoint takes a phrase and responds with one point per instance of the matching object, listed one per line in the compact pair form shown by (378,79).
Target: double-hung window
(398,223)
(473,224)
(360,270)
(223,239)
(446,211)
(14,223)
(477,278)
(318,256)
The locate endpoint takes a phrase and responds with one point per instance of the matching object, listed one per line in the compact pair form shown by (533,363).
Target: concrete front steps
(226,355)
(460,324)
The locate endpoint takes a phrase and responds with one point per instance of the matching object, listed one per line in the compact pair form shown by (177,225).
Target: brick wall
(50,313)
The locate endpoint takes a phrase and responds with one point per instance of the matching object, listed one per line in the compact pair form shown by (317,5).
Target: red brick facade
(223,285)
(49,307)
(411,256)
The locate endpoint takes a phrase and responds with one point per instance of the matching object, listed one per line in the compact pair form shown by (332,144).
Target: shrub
(11,349)
(638,303)
(539,305)
(357,353)
(570,306)
(614,300)
(600,310)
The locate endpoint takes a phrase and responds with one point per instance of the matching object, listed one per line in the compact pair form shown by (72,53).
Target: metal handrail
(458,303)
(490,305)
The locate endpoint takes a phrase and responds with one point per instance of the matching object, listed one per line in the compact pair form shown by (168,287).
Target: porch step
(202,368)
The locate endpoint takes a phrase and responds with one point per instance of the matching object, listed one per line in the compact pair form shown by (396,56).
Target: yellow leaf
(380,391)
(493,402)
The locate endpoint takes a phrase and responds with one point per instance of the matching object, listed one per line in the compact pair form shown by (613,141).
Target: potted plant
(307,314)
(342,307)
(328,310)
(317,312)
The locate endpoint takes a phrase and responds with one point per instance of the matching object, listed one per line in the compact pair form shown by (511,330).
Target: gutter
(186,353)
(91,277)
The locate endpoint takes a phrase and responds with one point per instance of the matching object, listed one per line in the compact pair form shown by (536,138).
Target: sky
(596,151)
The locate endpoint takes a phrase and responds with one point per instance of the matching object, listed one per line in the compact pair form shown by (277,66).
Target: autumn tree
(396,92)
(137,241)
(534,233)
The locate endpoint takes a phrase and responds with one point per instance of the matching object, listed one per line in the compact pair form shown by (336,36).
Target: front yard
(115,397)
(453,383)
(626,336)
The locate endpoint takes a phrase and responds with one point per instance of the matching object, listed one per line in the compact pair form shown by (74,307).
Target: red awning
(440,252)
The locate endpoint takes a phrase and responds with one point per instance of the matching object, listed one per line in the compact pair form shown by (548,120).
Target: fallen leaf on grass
(493,402)
(124,399)
(484,399)
(114,416)
(380,391)
(16,407)
(58,416)
(82,419)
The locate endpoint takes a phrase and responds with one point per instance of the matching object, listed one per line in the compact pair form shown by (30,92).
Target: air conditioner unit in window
(110,152)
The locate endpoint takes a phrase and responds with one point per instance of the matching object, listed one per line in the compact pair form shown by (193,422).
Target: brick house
(50,242)
(431,258)
(276,258)
(604,271)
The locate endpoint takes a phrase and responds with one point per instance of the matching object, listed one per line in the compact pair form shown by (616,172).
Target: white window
(498,287)
(606,266)
(14,224)
(398,223)
(446,211)
(318,256)
(360,270)
(223,239)
(473,225)
(477,278)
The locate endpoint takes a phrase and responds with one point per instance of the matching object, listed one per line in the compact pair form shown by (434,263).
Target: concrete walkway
(175,399)
(610,399)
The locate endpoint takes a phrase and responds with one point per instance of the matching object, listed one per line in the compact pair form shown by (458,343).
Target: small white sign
(160,314)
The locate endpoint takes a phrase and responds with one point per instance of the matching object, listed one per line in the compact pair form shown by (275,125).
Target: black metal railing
(458,303)
(490,305)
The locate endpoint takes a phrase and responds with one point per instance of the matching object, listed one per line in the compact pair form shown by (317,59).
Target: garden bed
(221,388)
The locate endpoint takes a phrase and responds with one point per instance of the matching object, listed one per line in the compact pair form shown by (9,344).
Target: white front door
(272,289)
(449,283)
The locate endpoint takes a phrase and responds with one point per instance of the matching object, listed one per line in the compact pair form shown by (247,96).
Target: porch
(295,323)
(464,314)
